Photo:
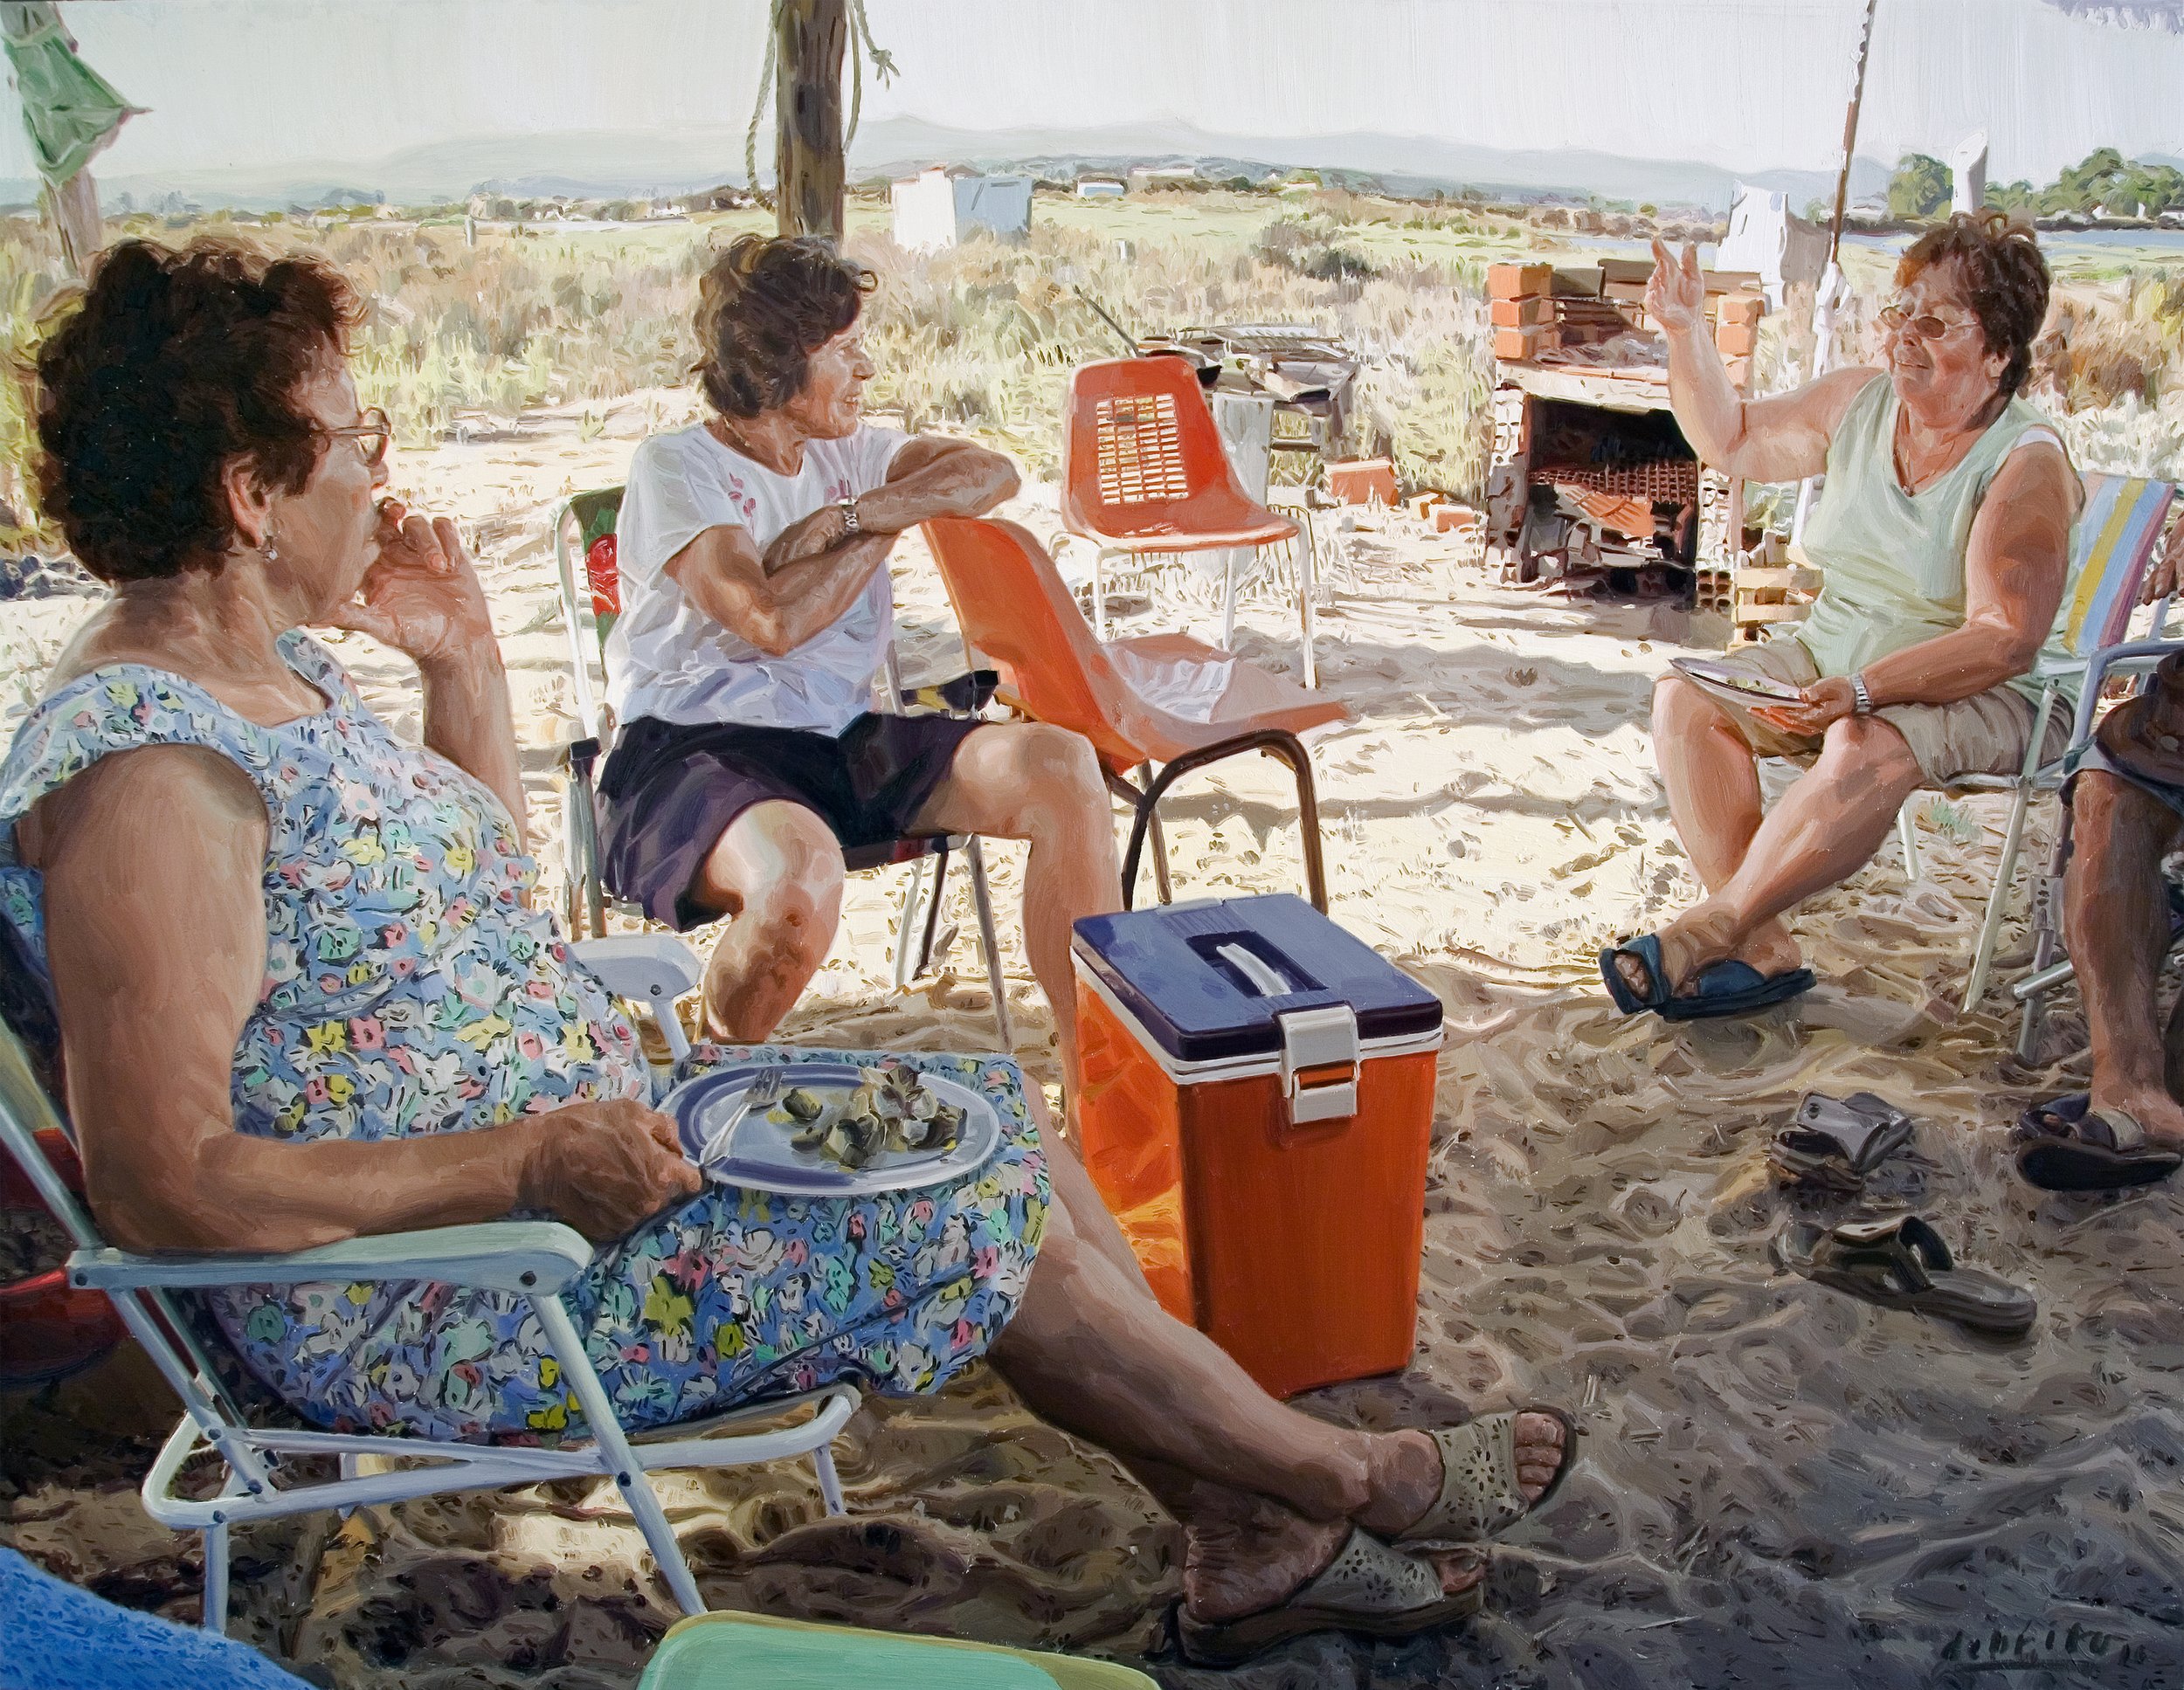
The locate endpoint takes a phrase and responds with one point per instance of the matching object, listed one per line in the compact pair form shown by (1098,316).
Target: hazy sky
(1753,84)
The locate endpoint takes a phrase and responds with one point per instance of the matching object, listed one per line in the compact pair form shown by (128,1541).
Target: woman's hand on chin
(421,596)
(604,1167)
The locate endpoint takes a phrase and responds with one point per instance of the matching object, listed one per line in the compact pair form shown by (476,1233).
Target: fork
(763,1093)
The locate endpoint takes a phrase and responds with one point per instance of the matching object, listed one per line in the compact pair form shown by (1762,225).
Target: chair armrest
(645,967)
(2131,653)
(524,1257)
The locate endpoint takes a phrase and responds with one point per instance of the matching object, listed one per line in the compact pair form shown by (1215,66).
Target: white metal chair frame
(588,901)
(536,1260)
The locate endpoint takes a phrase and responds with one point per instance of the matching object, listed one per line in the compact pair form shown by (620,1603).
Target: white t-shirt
(665,657)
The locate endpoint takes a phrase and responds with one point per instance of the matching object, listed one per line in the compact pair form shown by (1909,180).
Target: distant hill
(618,165)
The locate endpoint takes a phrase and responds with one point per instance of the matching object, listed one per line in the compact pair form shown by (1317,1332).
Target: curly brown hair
(2005,280)
(168,367)
(764,307)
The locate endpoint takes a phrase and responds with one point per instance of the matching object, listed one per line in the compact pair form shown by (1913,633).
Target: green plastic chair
(757,1651)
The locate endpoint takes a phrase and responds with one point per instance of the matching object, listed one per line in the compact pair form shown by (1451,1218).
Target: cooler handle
(1319,1063)
(1265,979)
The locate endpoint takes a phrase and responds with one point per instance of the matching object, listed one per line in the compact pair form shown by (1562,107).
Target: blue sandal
(1722,989)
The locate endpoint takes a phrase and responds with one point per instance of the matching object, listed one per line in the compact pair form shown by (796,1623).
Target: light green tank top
(1891,562)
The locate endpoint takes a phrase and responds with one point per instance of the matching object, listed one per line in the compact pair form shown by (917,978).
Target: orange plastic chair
(1017,612)
(1143,471)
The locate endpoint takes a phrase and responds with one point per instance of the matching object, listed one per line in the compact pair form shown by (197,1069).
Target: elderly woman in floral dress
(304,996)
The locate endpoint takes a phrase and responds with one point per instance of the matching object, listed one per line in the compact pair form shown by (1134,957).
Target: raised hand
(604,1167)
(2166,575)
(1675,293)
(421,596)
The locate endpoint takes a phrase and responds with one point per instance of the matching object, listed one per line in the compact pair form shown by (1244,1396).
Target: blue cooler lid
(1208,980)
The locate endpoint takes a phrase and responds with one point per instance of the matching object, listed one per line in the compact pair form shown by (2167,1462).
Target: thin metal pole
(1830,289)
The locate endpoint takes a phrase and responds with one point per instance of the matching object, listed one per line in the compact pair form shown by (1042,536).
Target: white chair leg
(913,915)
(214,1616)
(1229,599)
(638,1495)
(830,1482)
(1099,593)
(1907,831)
(2006,872)
(1307,583)
(989,939)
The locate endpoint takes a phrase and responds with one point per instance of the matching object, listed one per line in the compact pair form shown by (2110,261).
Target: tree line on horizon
(2105,182)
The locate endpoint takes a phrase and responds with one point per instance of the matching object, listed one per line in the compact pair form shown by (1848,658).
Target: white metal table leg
(1307,584)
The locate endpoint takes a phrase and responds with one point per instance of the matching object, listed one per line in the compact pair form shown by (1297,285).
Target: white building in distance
(939,207)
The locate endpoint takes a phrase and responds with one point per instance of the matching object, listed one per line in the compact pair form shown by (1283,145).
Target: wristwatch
(850,524)
(1863,705)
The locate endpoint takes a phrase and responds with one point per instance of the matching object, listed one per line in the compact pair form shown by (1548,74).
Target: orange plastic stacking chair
(1016,611)
(1143,471)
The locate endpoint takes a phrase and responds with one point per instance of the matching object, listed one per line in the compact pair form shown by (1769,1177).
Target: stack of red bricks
(1521,310)
(1537,308)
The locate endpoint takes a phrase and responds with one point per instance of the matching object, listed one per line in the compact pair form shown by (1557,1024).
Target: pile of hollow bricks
(1537,308)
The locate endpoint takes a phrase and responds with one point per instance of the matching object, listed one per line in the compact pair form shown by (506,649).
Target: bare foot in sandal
(1246,1555)
(1409,1489)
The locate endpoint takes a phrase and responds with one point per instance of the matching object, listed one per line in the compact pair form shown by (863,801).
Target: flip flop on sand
(1368,1590)
(2069,1146)
(1725,987)
(1835,1142)
(1480,1496)
(1900,1262)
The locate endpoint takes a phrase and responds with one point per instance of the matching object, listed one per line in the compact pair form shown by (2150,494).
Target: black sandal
(1900,1262)
(2069,1147)
(1834,1143)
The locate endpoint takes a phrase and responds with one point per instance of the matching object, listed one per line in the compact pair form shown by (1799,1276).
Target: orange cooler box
(1254,1099)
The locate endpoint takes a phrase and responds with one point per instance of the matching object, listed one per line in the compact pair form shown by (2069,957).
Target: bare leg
(1827,827)
(1042,785)
(1091,1351)
(778,873)
(1712,780)
(2119,930)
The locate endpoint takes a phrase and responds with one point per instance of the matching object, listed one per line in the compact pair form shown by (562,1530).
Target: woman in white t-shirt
(757,614)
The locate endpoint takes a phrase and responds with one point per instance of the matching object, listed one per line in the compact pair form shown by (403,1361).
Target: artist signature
(1971,1657)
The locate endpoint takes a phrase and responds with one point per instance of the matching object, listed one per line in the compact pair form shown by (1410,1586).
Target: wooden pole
(807,159)
(74,208)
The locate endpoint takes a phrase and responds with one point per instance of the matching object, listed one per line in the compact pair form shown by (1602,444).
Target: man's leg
(1712,780)
(1827,827)
(2117,925)
(1041,784)
(777,873)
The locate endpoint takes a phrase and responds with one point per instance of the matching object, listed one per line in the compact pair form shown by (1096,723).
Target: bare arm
(156,930)
(2015,564)
(815,569)
(935,476)
(1781,438)
(777,610)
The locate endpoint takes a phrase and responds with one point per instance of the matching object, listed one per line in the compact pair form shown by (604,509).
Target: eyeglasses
(371,432)
(1926,325)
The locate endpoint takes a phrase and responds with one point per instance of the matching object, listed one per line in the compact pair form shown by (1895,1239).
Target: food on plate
(892,1109)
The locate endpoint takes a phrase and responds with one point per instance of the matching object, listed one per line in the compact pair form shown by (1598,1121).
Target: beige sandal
(1368,1590)
(1480,1496)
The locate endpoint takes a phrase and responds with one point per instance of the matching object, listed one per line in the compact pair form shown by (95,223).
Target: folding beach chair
(2117,531)
(1016,612)
(1143,473)
(258,1450)
(591,516)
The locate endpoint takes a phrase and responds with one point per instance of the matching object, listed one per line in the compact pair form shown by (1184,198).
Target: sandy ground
(1779,1487)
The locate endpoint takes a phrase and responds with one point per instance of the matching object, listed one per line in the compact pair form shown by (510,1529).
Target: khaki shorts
(1984,734)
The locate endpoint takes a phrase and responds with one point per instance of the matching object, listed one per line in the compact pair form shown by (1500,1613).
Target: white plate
(1735,683)
(759,1158)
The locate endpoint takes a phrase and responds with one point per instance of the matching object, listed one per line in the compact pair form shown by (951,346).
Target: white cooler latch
(1319,1063)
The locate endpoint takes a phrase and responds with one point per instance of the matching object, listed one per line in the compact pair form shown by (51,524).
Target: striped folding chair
(2116,536)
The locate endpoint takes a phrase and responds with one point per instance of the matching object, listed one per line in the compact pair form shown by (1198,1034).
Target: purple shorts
(670,791)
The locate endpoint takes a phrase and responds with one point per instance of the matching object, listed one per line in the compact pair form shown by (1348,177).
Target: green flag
(69,110)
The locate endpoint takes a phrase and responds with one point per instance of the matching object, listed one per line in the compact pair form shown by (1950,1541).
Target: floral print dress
(409,989)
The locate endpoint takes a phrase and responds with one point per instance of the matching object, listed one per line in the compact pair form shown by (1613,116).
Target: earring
(268,551)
